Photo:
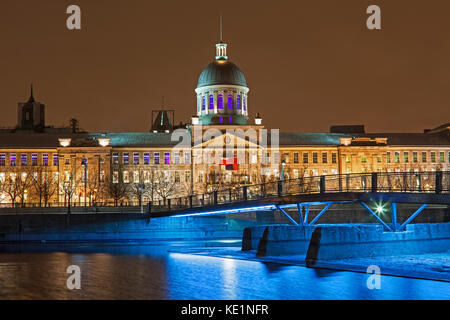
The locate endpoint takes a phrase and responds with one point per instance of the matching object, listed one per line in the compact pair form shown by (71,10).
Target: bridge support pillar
(215,197)
(280,188)
(244,190)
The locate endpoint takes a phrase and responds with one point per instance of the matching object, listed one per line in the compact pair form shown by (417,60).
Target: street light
(283,163)
(84,164)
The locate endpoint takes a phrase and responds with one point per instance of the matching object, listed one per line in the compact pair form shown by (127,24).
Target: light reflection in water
(151,272)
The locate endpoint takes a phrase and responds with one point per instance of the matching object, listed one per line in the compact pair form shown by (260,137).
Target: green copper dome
(221,72)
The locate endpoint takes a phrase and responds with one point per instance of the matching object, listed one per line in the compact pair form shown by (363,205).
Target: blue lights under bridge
(373,191)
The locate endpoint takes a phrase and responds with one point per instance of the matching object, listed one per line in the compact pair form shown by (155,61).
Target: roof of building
(221,72)
(24,139)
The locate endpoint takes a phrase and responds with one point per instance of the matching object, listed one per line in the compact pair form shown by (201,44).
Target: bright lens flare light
(380,208)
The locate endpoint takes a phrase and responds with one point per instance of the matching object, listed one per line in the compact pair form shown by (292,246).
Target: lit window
(230,120)
(2,159)
(126,157)
(388,157)
(397,157)
(45,159)
(12,159)
(136,158)
(441,157)
(305,158)
(230,101)
(220,101)
(211,102)
(406,157)
(115,177)
(187,158)
(424,157)
(166,158)
(146,176)
(24,159)
(136,176)
(55,160)
(177,176)
(115,158)
(67,161)
(177,158)
(414,156)
(238,102)
(156,157)
(126,177)
(315,157)
(147,158)
(363,159)
(245,103)
(220,120)
(433,157)
(276,157)
(203,103)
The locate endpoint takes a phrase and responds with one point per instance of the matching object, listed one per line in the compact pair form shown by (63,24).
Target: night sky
(309,64)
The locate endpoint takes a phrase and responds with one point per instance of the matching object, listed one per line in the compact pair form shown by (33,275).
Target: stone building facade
(219,148)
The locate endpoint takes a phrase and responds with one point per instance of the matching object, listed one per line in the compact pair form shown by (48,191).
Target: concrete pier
(330,242)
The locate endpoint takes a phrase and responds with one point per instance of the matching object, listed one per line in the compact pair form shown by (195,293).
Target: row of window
(158,158)
(433,157)
(306,157)
(146,176)
(208,101)
(25,160)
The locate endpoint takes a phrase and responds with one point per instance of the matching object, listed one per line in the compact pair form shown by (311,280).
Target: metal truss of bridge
(367,189)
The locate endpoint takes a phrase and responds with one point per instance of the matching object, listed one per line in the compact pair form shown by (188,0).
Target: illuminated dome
(222,92)
(221,72)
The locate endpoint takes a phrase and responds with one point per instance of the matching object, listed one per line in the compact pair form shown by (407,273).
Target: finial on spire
(221,48)
(221,30)
(31,99)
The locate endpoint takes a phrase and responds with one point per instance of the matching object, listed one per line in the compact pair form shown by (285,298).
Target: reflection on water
(149,271)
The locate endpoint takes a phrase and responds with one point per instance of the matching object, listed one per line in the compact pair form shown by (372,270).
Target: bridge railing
(420,182)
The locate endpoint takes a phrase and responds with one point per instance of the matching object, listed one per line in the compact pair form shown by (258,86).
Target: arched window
(203,103)
(230,101)
(245,103)
(211,102)
(220,101)
(238,102)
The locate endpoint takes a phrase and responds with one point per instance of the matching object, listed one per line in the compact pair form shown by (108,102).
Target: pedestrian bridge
(368,189)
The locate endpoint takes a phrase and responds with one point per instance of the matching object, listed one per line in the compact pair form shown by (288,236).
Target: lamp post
(283,163)
(84,164)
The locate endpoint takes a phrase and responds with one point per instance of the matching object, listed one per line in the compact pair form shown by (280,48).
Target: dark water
(151,272)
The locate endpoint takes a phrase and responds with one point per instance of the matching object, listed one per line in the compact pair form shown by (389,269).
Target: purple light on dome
(238,102)
(220,101)
(221,120)
(204,103)
(230,101)
(211,102)
(230,119)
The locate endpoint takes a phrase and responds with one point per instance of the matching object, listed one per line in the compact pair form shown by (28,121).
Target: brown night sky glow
(309,64)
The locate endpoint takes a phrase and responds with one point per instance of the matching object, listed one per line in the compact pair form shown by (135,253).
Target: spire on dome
(31,99)
(221,48)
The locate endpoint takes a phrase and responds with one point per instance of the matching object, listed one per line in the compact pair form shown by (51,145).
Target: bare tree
(163,185)
(44,183)
(15,184)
